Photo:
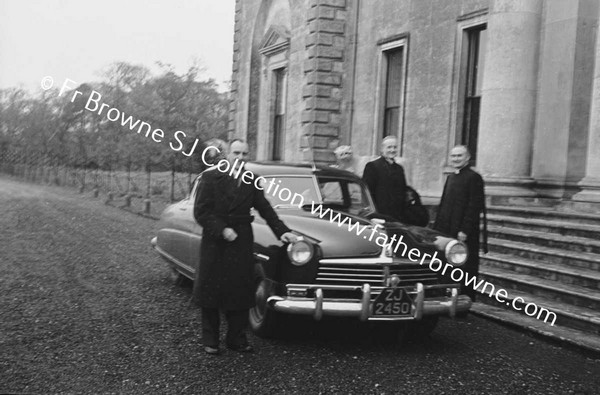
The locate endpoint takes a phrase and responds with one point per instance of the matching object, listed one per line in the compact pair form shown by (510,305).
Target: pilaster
(234,92)
(590,184)
(323,70)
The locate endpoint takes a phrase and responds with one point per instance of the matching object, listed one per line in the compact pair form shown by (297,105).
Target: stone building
(515,80)
(518,81)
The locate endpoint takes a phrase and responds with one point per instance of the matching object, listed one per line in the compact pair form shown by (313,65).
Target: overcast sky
(76,39)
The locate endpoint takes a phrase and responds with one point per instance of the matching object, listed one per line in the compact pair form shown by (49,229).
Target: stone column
(508,96)
(566,79)
(325,47)
(235,75)
(590,184)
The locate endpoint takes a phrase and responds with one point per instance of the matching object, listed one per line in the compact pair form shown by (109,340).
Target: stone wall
(430,30)
(538,84)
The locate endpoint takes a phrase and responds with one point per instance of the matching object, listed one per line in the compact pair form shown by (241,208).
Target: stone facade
(538,114)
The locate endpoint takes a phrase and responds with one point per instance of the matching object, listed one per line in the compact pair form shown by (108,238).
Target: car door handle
(183,208)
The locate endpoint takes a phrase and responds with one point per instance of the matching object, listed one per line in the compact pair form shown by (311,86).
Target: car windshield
(343,194)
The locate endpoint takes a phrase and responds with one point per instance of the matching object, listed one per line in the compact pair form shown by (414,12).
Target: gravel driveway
(87,307)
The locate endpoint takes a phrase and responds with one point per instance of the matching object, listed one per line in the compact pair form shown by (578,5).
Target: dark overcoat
(387,184)
(462,202)
(225,276)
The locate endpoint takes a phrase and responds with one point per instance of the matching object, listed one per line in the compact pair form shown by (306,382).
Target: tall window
(476,40)
(392,107)
(279,89)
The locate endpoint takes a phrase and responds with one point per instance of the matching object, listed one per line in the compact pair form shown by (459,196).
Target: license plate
(392,302)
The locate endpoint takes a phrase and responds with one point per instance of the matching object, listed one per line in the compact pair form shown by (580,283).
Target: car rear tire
(262,318)
(179,279)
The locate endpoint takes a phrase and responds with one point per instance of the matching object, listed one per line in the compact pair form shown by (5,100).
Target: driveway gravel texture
(86,307)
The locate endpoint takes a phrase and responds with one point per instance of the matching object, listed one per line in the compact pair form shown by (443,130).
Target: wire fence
(147,192)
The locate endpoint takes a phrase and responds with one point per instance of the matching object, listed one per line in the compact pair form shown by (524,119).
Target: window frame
(274,48)
(468,132)
(465,25)
(399,42)
(278,121)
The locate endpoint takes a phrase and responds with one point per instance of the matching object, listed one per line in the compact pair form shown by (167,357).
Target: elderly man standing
(462,202)
(225,277)
(386,180)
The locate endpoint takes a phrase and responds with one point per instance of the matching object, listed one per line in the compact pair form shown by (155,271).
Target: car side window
(331,192)
(349,195)
(358,198)
(356,195)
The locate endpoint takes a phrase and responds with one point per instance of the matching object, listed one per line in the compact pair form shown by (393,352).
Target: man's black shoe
(211,350)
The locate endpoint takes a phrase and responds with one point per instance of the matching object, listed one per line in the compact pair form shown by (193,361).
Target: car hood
(339,241)
(334,240)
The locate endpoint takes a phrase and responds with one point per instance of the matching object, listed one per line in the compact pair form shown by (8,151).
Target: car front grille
(359,274)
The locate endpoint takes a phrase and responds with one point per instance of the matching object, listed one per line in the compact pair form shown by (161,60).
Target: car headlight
(456,253)
(300,252)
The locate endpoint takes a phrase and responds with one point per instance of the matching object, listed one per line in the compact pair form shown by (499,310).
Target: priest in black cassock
(225,278)
(462,202)
(386,181)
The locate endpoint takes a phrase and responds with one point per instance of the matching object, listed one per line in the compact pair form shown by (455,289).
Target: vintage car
(331,270)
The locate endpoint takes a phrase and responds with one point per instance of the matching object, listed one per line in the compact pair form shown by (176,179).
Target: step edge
(559,310)
(544,286)
(542,210)
(544,235)
(571,225)
(592,348)
(517,245)
(587,274)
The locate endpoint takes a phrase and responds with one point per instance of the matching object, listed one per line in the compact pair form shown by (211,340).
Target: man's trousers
(237,322)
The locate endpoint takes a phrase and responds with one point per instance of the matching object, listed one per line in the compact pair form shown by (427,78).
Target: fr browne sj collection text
(94,104)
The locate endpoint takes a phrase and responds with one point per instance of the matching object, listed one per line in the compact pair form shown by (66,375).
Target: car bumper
(320,306)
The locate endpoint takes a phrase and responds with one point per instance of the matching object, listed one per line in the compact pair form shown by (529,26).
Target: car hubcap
(261,301)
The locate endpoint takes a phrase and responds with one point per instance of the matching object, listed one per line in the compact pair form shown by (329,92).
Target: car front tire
(262,317)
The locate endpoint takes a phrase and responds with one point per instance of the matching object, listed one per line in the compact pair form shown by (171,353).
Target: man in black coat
(225,276)
(386,181)
(462,202)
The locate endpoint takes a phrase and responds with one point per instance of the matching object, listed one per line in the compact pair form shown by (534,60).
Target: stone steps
(544,270)
(560,227)
(545,239)
(573,259)
(551,290)
(567,315)
(547,253)
(582,340)
(545,213)
(547,204)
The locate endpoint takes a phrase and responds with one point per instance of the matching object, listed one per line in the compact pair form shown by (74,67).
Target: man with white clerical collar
(225,278)
(386,180)
(462,201)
